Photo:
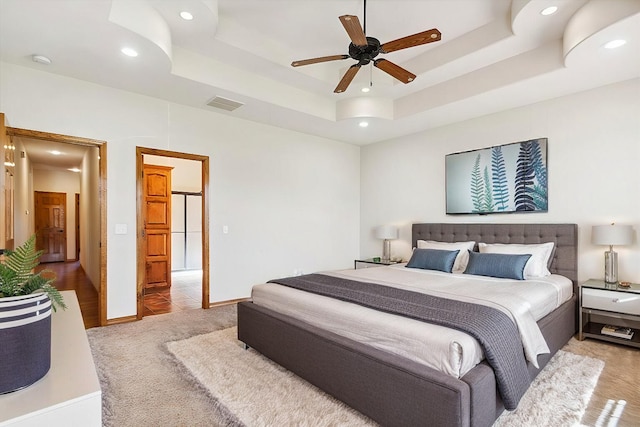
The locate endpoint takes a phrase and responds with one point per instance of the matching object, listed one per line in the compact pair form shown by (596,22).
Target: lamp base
(386,250)
(610,267)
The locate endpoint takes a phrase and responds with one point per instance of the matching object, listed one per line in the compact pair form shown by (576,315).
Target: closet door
(194,232)
(178,230)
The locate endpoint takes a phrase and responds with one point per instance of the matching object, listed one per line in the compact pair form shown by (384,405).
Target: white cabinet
(609,304)
(69,395)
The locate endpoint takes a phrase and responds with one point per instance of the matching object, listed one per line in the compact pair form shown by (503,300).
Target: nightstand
(602,304)
(369,262)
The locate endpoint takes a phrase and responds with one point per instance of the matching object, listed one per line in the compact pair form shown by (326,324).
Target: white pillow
(537,264)
(463,256)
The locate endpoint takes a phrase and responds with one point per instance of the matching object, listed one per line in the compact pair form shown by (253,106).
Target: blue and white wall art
(500,179)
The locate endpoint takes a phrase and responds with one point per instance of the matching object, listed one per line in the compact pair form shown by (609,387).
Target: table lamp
(611,235)
(387,233)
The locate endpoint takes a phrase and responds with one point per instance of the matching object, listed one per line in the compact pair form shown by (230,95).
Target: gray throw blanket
(493,329)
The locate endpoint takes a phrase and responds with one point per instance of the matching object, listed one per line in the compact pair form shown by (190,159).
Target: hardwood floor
(71,276)
(184,294)
(615,401)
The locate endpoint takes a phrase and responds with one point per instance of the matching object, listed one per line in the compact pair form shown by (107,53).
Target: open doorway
(172,231)
(43,168)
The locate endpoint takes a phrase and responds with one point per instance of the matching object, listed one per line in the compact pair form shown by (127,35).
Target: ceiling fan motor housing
(365,54)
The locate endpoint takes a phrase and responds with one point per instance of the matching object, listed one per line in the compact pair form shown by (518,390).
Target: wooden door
(157,226)
(50,218)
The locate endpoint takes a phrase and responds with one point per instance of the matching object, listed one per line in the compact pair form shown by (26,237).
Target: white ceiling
(494,55)
(53,155)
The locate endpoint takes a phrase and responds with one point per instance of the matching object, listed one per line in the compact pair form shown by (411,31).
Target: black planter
(25,340)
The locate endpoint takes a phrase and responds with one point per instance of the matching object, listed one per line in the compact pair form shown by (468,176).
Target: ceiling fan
(364,49)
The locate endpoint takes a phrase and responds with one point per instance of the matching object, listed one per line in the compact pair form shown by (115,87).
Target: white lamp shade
(387,232)
(612,235)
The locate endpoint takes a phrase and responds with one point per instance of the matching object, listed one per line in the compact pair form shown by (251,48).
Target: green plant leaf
(17,276)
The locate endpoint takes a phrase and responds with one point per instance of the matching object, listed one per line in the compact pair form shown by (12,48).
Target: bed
(396,390)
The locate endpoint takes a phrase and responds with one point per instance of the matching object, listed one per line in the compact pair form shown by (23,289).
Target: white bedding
(450,351)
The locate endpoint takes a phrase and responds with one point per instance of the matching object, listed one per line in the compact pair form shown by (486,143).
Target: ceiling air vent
(224,103)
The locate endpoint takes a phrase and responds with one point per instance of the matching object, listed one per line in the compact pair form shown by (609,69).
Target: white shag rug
(261,393)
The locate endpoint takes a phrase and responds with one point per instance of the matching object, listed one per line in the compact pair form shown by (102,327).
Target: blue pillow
(497,265)
(433,259)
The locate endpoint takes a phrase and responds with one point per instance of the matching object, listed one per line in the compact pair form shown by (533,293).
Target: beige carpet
(142,385)
(261,393)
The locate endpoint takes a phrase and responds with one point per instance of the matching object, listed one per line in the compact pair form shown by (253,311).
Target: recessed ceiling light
(129,52)
(41,59)
(55,152)
(365,89)
(363,124)
(549,10)
(614,44)
(186,16)
(74,170)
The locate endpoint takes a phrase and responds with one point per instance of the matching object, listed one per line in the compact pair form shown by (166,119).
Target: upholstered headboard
(565,237)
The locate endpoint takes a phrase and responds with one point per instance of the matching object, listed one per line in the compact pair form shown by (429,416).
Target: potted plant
(26,301)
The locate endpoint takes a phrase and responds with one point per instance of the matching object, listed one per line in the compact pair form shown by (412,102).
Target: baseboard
(228,302)
(125,319)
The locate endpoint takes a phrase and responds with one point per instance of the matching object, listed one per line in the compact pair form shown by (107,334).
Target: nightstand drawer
(620,302)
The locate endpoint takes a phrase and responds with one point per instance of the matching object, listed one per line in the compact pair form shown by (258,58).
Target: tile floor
(185,293)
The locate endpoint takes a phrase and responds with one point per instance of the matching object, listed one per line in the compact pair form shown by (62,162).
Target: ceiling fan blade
(351,23)
(424,37)
(347,78)
(394,70)
(319,59)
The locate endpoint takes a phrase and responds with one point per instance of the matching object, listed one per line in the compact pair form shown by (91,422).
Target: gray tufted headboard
(565,237)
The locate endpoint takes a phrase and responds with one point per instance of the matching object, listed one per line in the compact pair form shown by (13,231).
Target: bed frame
(397,392)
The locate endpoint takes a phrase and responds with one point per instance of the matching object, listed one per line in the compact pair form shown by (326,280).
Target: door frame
(140,152)
(102,197)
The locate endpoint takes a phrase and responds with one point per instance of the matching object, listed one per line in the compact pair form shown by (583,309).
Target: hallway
(71,277)
(185,294)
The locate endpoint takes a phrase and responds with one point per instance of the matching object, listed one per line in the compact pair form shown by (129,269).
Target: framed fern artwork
(499,179)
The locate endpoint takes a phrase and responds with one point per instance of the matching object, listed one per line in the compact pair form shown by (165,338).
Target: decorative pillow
(497,265)
(540,255)
(463,247)
(433,259)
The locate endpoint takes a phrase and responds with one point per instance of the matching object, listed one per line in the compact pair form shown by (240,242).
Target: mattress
(446,350)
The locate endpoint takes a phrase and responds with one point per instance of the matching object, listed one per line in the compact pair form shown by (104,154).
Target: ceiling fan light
(363,124)
(186,15)
(365,89)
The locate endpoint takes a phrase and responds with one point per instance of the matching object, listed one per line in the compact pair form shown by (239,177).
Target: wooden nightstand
(369,262)
(606,304)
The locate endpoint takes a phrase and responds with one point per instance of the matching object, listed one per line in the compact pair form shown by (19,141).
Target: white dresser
(69,395)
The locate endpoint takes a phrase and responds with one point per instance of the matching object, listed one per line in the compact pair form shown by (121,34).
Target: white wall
(57,181)
(593,163)
(90,215)
(24,223)
(290,201)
